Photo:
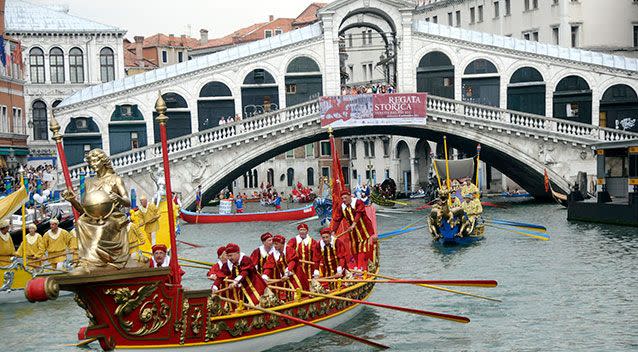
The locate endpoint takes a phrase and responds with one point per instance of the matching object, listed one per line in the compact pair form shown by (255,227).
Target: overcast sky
(147,17)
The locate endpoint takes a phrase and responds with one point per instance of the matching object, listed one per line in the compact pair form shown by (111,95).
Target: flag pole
(478,160)
(54,126)
(160,107)
(24,221)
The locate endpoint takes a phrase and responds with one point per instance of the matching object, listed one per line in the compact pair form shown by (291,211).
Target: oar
(454,318)
(195,266)
(536,235)
(308,323)
(518,224)
(187,260)
(81,343)
(387,235)
(412,223)
(190,244)
(426,205)
(524,228)
(315,217)
(438,288)
(473,283)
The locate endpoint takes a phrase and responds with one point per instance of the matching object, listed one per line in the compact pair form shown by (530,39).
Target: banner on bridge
(373,109)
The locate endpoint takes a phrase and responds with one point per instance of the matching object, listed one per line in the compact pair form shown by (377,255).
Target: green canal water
(576,292)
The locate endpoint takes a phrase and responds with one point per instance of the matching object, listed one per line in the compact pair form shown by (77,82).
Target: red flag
(338,183)
(17,55)
(546,181)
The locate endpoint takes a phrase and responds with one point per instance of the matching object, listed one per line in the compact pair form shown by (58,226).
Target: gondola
(281,215)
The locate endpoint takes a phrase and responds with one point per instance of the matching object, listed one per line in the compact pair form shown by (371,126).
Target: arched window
(76,66)
(36,65)
(107,65)
(40,128)
(56,64)
(310,173)
(480,66)
(290,176)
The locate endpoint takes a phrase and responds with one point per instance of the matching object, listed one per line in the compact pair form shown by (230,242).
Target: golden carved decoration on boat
(196,318)
(153,314)
(180,325)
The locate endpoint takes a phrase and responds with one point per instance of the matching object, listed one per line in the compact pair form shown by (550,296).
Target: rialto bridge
(531,106)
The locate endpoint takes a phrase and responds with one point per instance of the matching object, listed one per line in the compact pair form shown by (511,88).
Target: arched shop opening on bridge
(481,83)
(404,174)
(179,115)
(303,81)
(619,108)
(435,75)
(127,129)
(259,93)
(422,163)
(214,103)
(367,48)
(526,91)
(80,136)
(572,100)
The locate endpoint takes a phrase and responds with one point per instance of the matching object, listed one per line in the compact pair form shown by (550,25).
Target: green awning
(17,151)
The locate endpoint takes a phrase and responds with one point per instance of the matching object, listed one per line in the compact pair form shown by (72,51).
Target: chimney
(171,40)
(183,38)
(203,36)
(139,50)
(271,18)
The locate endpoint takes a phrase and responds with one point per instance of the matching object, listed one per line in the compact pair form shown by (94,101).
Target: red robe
(276,266)
(308,250)
(252,285)
(215,269)
(259,257)
(355,212)
(332,256)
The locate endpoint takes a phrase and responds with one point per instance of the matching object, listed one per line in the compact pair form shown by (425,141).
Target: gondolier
(260,254)
(307,250)
(359,229)
(240,269)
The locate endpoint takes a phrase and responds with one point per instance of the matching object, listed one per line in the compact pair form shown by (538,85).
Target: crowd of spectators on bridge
(372,88)
(229,119)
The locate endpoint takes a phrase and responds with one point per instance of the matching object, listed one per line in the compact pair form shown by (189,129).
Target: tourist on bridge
(160,259)
(57,242)
(260,254)
(283,263)
(307,250)
(34,246)
(149,215)
(359,229)
(333,256)
(242,276)
(6,243)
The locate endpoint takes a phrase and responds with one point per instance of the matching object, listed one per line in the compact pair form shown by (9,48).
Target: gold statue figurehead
(101,228)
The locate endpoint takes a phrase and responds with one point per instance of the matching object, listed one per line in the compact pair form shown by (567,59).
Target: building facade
(607,26)
(62,55)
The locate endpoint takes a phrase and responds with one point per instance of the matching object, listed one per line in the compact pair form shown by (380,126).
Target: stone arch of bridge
(524,169)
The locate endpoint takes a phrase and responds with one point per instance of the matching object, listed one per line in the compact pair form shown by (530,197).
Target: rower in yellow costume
(56,243)
(34,247)
(148,215)
(135,237)
(7,249)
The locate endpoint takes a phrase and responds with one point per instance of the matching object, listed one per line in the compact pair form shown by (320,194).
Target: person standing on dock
(307,250)
(149,215)
(360,228)
(6,243)
(34,246)
(56,243)
(260,254)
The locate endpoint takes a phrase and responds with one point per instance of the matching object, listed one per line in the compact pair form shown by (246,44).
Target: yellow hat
(4,223)
(54,221)
(32,226)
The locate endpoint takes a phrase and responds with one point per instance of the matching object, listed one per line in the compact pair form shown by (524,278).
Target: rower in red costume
(359,230)
(245,279)
(307,250)
(159,259)
(216,269)
(260,254)
(283,263)
(333,256)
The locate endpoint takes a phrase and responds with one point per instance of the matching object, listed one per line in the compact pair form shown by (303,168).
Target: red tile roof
(309,15)
(131,61)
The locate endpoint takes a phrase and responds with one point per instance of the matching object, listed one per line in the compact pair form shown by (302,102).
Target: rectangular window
(554,2)
(4,119)
(635,36)
(427,19)
(353,150)
(480,13)
(555,35)
(369,36)
(497,9)
(535,4)
(386,148)
(526,5)
(325,171)
(135,143)
(350,40)
(180,56)
(450,21)
(291,88)
(365,71)
(575,30)
(346,174)
(290,154)
(310,150)
(363,38)
(526,36)
(508,8)
(14,128)
(267,33)
(458,18)
(278,31)
(346,148)
(164,56)
(472,15)
(371,146)
(325,148)
(535,36)
(386,173)
(351,71)
(366,151)
(435,19)
(355,176)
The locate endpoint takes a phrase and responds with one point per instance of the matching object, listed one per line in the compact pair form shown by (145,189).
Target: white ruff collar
(31,239)
(353,204)
(277,254)
(262,251)
(306,241)
(5,236)
(54,236)
(230,264)
(143,209)
(333,240)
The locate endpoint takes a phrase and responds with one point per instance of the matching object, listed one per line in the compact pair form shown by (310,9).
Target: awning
(17,151)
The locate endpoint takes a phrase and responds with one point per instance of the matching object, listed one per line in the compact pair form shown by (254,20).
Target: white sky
(147,17)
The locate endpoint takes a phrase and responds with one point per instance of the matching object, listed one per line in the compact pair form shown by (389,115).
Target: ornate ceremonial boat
(281,215)
(14,278)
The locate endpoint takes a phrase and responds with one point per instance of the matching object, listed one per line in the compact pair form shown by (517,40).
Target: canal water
(576,292)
